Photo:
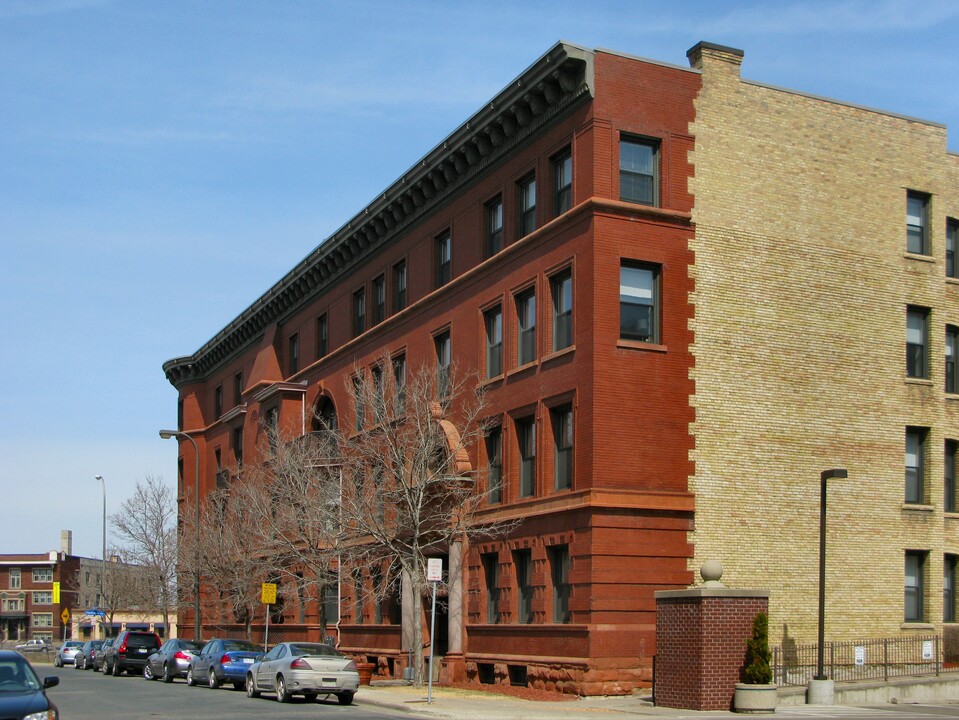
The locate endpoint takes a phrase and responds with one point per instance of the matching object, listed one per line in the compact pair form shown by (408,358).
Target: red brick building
(543,244)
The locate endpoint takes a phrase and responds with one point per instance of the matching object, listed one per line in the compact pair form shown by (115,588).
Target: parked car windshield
(229,645)
(312,649)
(17,676)
(142,641)
(188,645)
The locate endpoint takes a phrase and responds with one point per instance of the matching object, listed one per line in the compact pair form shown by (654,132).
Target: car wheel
(282,695)
(117,670)
(148,673)
(190,680)
(167,675)
(345,698)
(251,691)
(57,662)
(214,681)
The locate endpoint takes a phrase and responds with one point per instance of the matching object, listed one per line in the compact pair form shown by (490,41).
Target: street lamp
(166,435)
(103,556)
(837,473)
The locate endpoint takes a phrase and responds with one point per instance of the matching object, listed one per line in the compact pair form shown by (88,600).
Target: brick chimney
(706,56)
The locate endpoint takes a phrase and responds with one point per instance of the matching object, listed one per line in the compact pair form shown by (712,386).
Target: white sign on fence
(860,655)
(927,649)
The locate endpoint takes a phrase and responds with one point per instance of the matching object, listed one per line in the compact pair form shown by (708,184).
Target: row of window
(520,585)
(40,575)
(919,236)
(917,485)
(915,586)
(917,348)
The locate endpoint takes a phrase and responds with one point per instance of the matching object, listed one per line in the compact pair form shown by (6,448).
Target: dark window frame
(525,302)
(493,326)
(917,223)
(559,567)
(293,354)
(949,476)
(490,562)
(379,299)
(526,205)
(494,226)
(952,240)
(631,178)
(562,421)
(443,248)
(629,315)
(914,610)
(523,571)
(444,354)
(562,164)
(525,428)
(359,312)
(494,464)
(952,356)
(915,465)
(561,289)
(917,342)
(322,335)
(399,382)
(400,281)
(237,388)
(217,401)
(950,566)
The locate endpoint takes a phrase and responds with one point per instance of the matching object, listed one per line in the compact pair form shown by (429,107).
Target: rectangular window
(218,401)
(494,226)
(238,388)
(494,463)
(359,403)
(399,286)
(359,312)
(915,464)
(526,191)
(444,258)
(638,302)
(379,394)
(562,288)
(562,182)
(949,564)
(399,383)
(442,343)
(222,479)
(562,421)
(526,441)
(915,586)
(952,239)
(44,597)
(952,352)
(42,575)
(559,574)
(293,361)
(949,477)
(491,573)
(376,581)
(42,619)
(379,300)
(14,578)
(357,597)
(917,335)
(493,319)
(238,445)
(523,565)
(322,336)
(639,171)
(526,328)
(272,423)
(917,223)
(12,605)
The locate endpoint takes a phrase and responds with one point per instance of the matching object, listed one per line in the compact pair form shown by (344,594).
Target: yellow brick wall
(802,283)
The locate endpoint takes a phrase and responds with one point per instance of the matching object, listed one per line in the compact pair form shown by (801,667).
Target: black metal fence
(860,660)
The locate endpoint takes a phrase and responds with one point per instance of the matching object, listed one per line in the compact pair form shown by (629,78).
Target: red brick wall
(701,648)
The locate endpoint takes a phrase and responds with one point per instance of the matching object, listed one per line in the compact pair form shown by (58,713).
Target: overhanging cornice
(559,80)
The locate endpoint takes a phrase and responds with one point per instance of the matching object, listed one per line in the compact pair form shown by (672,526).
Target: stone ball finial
(711,572)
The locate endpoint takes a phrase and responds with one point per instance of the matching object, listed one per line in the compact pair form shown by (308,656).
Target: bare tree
(146,525)
(123,586)
(293,501)
(409,490)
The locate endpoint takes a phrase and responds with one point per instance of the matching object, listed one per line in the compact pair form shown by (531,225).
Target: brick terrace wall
(701,645)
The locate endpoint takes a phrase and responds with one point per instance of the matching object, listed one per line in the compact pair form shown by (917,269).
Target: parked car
(309,669)
(172,660)
(84,659)
(129,652)
(100,654)
(67,654)
(22,692)
(223,660)
(34,645)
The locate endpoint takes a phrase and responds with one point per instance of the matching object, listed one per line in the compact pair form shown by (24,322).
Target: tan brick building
(804,280)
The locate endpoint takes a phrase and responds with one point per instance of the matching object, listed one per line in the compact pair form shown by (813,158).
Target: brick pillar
(701,638)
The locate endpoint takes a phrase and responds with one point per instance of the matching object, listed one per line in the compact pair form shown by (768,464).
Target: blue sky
(163,164)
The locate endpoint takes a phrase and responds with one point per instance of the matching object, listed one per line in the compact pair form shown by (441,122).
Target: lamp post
(103,556)
(824,476)
(166,435)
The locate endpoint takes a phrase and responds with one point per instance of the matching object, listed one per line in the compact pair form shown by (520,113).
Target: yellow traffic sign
(65,616)
(268,594)
(56,593)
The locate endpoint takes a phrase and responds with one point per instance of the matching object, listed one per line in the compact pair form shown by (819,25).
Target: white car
(34,645)
(67,654)
(308,669)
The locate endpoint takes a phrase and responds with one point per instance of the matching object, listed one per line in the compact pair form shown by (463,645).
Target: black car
(85,657)
(129,652)
(21,689)
(100,654)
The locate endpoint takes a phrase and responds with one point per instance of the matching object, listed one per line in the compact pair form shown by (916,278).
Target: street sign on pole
(434,574)
(268,593)
(65,616)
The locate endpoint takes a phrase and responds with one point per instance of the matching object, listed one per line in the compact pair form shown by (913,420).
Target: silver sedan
(309,669)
